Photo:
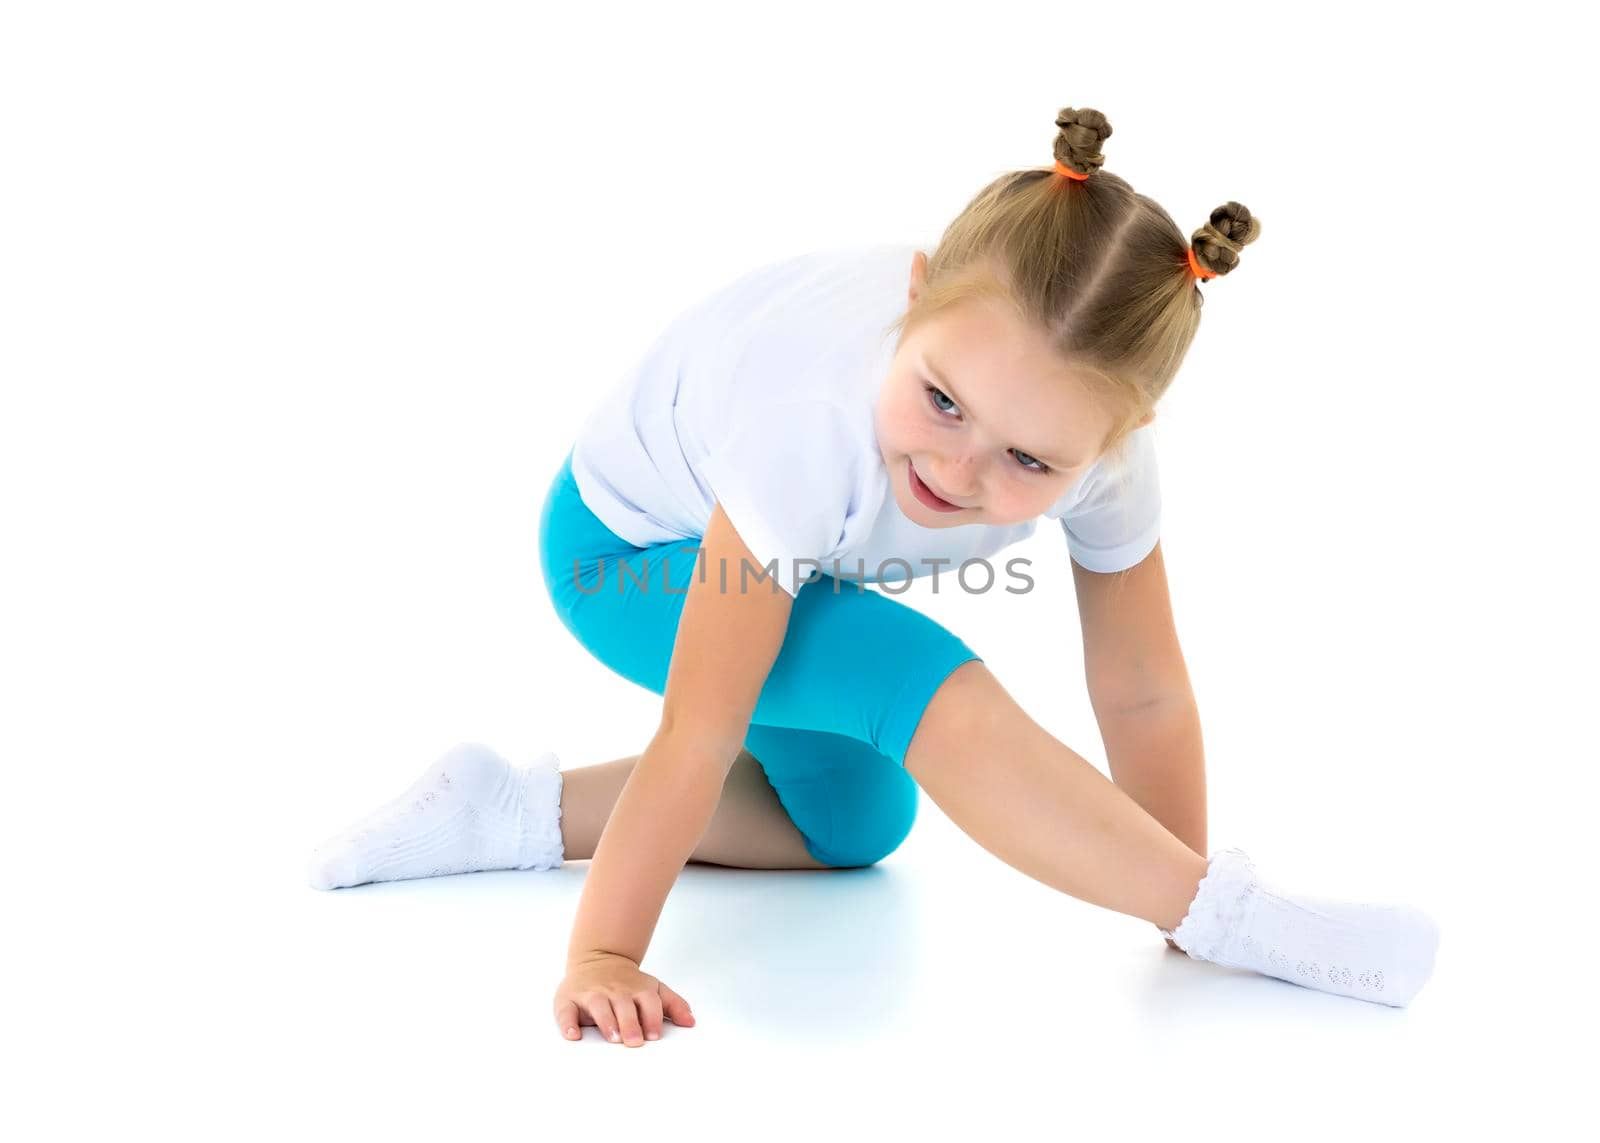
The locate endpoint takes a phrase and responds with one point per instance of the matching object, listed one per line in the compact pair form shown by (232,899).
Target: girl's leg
(815,800)
(1033,802)
(750,830)
(1040,807)
(475,810)
(853,804)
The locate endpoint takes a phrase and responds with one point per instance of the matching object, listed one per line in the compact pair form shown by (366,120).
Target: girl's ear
(1148,417)
(919,274)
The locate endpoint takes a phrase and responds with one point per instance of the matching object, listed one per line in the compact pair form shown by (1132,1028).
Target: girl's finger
(567,1020)
(599,1006)
(627,1020)
(649,1004)
(676,1007)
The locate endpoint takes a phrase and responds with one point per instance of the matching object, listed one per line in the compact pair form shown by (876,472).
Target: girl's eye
(935,395)
(1023,458)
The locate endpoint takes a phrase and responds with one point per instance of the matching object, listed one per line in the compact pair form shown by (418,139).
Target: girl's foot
(472,810)
(1382,953)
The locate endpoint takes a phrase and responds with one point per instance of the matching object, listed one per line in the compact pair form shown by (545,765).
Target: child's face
(1005,409)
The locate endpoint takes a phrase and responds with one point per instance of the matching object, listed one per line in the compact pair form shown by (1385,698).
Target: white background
(301,305)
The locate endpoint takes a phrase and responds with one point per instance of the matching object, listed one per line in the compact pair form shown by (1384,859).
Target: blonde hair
(1100,268)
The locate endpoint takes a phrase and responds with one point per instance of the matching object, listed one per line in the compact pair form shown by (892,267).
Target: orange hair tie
(1069,172)
(1199,270)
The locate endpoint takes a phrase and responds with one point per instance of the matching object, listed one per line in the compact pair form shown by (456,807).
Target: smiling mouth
(927,495)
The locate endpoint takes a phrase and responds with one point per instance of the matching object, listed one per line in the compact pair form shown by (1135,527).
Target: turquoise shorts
(833,722)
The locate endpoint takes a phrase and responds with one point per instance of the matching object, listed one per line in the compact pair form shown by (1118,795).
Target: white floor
(940,992)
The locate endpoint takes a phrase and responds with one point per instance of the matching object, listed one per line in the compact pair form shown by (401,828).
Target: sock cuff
(541,846)
(1218,906)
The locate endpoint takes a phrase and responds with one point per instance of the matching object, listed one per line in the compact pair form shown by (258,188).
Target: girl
(708,537)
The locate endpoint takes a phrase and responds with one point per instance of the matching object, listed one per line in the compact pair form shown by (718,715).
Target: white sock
(1382,953)
(472,810)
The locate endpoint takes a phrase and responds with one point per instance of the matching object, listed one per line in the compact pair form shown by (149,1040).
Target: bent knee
(855,856)
(865,832)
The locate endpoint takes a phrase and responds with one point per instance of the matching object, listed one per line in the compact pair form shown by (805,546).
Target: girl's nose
(960,476)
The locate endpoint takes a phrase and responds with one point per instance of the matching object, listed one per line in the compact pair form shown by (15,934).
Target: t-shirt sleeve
(1118,521)
(786,477)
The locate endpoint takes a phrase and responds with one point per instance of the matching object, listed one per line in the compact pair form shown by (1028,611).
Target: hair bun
(1217,244)
(1082,130)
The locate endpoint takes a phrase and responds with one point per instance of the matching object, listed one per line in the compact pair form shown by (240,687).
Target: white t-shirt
(761,397)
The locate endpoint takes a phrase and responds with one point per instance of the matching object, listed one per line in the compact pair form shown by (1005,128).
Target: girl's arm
(726,644)
(1139,688)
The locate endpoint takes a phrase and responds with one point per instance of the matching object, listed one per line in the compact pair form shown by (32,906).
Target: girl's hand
(604,989)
